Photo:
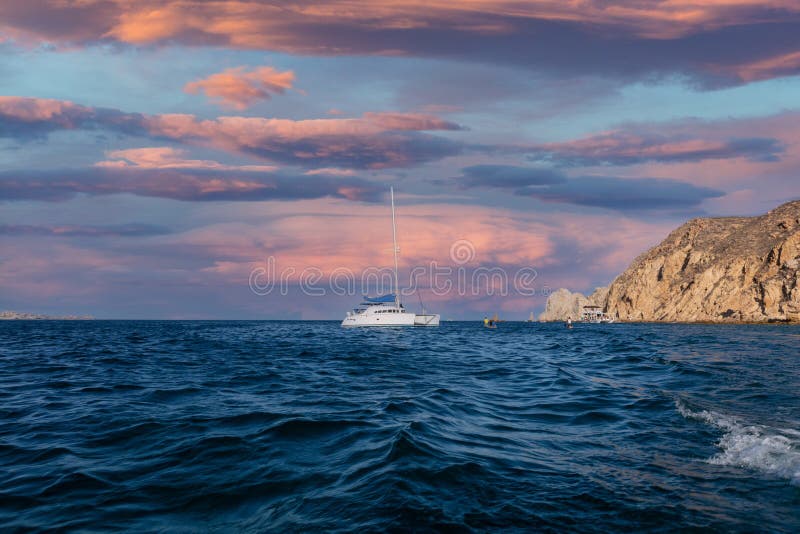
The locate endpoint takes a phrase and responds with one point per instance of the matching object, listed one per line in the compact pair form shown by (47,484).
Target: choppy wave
(774,451)
(296,427)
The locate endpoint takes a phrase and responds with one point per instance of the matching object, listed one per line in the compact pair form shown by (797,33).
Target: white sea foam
(770,450)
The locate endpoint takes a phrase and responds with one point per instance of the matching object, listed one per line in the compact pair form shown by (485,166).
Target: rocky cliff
(563,303)
(730,269)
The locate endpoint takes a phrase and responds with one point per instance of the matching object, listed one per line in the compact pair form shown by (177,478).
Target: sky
(187,159)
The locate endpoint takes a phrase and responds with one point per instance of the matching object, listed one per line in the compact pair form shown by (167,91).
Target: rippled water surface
(297,426)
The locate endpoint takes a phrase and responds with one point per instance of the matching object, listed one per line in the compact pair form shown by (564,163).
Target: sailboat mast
(394,241)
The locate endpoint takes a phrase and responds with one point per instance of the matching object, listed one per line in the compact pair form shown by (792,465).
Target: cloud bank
(507,176)
(715,43)
(373,141)
(195,185)
(624,194)
(621,194)
(636,145)
(71,230)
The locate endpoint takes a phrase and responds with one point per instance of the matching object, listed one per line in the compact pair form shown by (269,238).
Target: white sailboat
(387,310)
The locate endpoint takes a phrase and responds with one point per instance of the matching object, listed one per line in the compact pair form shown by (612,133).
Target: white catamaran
(387,310)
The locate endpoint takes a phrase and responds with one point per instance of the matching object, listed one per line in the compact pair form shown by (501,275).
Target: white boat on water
(595,314)
(387,310)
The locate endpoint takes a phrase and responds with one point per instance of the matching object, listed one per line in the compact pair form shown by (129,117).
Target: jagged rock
(599,296)
(563,303)
(727,269)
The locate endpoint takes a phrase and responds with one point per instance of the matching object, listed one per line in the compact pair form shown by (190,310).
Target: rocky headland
(563,303)
(722,270)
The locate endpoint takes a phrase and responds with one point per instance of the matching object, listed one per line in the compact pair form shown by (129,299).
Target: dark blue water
(264,426)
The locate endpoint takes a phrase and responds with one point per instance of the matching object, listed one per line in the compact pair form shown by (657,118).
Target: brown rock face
(728,269)
(563,304)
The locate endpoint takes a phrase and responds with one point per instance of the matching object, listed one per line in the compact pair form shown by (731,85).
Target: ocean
(255,426)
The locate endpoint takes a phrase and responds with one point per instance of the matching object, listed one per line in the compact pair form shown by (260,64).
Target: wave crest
(766,449)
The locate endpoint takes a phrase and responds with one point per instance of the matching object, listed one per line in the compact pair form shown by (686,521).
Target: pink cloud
(319,236)
(765,69)
(239,88)
(252,130)
(408,121)
(169,158)
(331,171)
(329,235)
(62,112)
(32,108)
(36,269)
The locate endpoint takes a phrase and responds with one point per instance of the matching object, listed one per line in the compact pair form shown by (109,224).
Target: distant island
(12,315)
(721,270)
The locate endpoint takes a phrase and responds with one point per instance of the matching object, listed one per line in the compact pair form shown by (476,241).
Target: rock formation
(599,296)
(562,303)
(727,269)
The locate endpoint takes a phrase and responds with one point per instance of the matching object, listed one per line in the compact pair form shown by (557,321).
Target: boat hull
(391,320)
(426,319)
(378,320)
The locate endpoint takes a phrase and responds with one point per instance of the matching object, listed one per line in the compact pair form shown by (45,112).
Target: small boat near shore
(595,315)
(493,322)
